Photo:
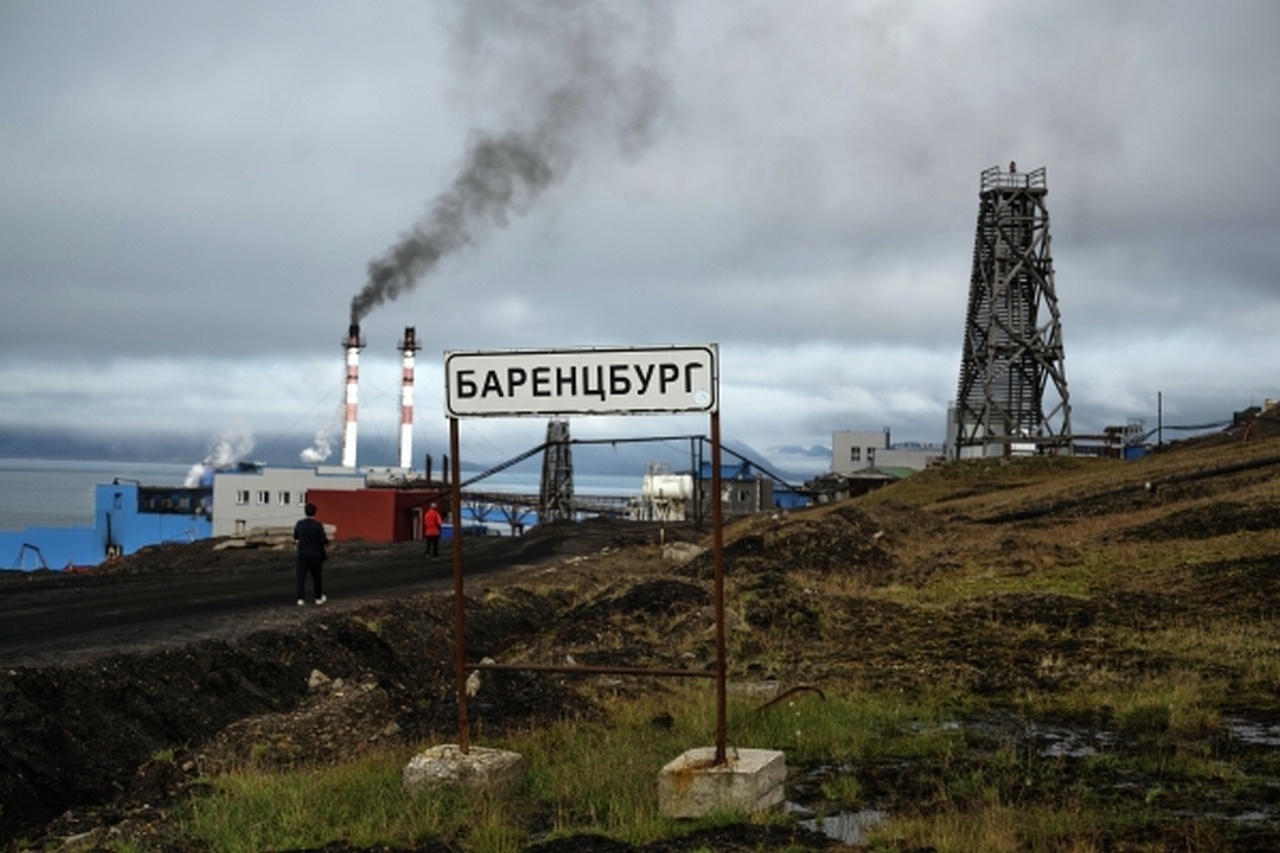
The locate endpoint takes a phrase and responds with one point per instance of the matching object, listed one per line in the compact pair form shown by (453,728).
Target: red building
(376,515)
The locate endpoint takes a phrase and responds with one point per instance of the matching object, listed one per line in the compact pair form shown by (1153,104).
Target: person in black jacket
(311,555)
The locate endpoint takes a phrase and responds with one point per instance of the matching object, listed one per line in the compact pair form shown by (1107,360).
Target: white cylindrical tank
(669,486)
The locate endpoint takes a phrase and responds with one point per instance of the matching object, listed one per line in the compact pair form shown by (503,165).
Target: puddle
(1045,740)
(1054,741)
(1251,733)
(845,827)
(1068,742)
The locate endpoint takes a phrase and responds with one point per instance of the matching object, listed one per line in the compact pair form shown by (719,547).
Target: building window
(242,497)
(240,526)
(264,497)
(855,454)
(302,498)
(284,498)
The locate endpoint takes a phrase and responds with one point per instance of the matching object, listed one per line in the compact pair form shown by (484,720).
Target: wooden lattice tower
(1012,393)
(555,500)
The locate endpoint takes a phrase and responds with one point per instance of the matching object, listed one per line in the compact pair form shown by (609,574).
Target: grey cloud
(215,183)
(574,87)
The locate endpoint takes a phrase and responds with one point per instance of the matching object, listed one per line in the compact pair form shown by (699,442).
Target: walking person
(312,540)
(432,525)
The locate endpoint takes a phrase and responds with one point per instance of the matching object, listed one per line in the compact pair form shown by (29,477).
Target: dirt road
(177,594)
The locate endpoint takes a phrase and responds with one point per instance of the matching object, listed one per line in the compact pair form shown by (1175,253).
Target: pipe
(593,669)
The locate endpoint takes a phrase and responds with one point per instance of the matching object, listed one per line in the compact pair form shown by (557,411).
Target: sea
(59,493)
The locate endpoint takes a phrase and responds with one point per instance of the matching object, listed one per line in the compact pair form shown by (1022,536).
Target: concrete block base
(491,770)
(750,780)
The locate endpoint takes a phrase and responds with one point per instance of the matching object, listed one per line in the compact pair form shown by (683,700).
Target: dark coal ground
(123,686)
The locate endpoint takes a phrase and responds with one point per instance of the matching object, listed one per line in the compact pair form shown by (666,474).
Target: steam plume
(321,448)
(235,442)
(585,71)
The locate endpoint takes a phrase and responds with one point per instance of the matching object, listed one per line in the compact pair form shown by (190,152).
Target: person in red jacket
(432,524)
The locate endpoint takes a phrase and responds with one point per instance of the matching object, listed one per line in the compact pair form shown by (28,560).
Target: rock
(479,768)
(681,552)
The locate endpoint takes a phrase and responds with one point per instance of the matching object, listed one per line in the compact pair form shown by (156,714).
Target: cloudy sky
(192,195)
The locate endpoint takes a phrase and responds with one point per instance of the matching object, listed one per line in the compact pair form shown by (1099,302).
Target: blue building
(747,488)
(127,517)
(45,547)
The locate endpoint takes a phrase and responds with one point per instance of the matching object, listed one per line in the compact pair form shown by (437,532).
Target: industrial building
(127,516)
(743,490)
(376,515)
(254,496)
(856,451)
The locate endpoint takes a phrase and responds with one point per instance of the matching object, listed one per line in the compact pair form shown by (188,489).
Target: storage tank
(660,483)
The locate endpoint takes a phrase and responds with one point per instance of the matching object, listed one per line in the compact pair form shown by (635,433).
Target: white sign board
(586,381)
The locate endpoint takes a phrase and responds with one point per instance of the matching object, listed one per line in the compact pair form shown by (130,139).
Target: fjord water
(59,493)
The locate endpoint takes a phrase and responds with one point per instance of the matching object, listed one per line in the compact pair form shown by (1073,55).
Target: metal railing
(997,178)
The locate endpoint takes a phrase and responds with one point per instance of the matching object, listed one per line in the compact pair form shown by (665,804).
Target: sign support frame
(459,594)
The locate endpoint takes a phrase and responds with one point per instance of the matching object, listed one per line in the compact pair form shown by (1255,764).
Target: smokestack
(353,345)
(408,347)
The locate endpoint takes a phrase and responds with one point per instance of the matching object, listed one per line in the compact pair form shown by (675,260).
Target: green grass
(963,791)
(584,776)
(361,802)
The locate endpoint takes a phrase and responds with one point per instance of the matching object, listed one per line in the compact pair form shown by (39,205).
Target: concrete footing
(492,770)
(750,780)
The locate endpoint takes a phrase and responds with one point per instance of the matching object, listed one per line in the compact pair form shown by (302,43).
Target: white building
(256,497)
(860,450)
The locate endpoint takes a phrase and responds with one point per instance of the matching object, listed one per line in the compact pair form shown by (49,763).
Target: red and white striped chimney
(353,345)
(408,347)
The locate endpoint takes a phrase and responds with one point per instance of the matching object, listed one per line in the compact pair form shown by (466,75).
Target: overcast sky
(192,194)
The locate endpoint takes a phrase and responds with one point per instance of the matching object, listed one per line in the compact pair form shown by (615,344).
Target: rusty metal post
(717,524)
(459,597)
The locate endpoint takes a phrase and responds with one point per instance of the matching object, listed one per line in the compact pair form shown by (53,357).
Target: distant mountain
(626,457)
(58,444)
(151,446)
(634,458)
(795,450)
(805,461)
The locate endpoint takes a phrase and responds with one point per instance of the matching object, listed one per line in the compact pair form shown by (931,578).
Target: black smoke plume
(583,73)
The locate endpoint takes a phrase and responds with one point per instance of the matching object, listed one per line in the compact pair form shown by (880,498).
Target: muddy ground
(200,656)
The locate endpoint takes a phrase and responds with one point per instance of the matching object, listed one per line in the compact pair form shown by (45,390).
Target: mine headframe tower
(555,498)
(1012,395)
